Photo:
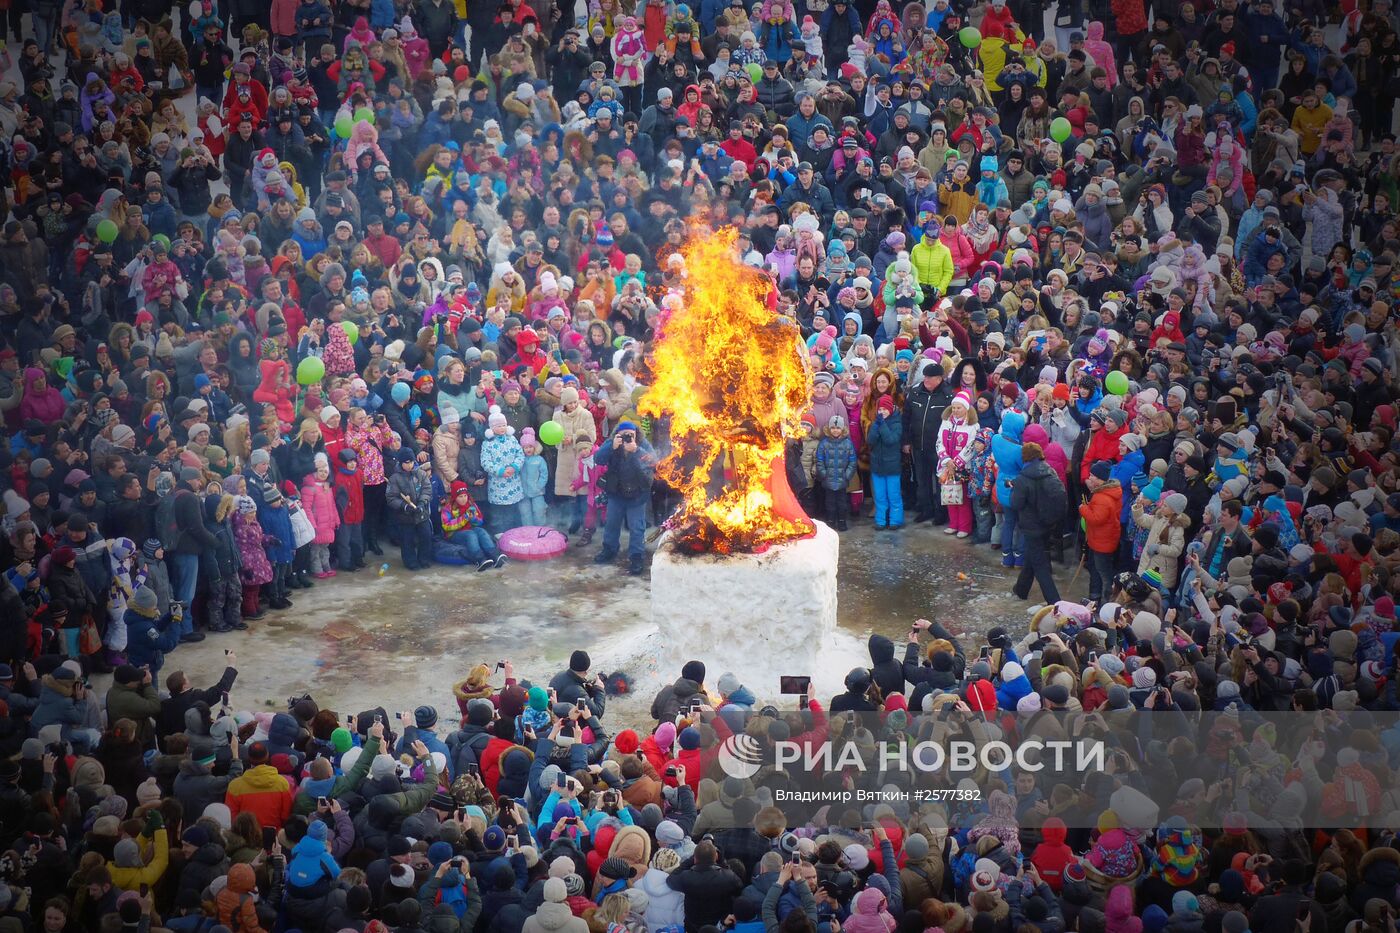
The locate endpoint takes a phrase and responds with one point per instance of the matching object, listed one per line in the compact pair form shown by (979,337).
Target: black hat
(579,661)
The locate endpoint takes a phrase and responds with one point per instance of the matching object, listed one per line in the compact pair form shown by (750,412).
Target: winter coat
(262,792)
(1103,526)
(575,423)
(501,453)
(1006,451)
(955,445)
(884,440)
(147,639)
(409,496)
(318,501)
(349,495)
(1165,540)
(1036,487)
(369,443)
(665,907)
(836,462)
(277,534)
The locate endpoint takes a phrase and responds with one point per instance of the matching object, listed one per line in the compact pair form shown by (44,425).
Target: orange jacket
(1102,516)
(236,903)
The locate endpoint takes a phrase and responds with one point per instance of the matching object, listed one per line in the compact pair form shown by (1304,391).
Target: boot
(373,547)
(574,526)
(636,566)
(280,603)
(585,539)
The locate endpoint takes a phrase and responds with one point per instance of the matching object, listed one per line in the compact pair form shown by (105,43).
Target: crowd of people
(280,287)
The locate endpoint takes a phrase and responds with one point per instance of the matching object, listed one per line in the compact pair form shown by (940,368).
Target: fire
(734,379)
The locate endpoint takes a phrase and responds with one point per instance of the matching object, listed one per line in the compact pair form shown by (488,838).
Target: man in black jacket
(923,416)
(194,540)
(1038,498)
(183,696)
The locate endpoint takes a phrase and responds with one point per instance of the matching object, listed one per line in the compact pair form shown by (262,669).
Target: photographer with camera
(409,497)
(631,464)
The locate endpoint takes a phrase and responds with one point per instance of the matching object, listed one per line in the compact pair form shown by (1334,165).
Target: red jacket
(490,762)
(354,494)
(1052,855)
(1103,445)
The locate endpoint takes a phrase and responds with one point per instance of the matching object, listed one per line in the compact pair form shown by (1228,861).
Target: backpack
(167,528)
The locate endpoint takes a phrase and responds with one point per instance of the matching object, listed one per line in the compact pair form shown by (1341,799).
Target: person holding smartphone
(631,464)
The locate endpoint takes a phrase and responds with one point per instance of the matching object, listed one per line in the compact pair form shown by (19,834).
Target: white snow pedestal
(759,616)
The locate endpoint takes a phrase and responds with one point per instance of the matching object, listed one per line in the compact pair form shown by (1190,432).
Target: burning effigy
(734,380)
(739,556)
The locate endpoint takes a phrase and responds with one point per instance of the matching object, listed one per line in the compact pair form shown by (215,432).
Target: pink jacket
(961,247)
(1055,457)
(368,443)
(318,501)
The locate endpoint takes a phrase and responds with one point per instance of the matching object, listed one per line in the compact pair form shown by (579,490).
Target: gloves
(154,821)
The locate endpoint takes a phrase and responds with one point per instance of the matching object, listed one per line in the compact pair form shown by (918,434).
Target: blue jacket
(310,863)
(1124,471)
(148,639)
(1006,451)
(836,462)
(535,475)
(277,523)
(1011,692)
(885,441)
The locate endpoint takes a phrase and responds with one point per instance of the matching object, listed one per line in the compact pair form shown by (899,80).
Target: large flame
(734,379)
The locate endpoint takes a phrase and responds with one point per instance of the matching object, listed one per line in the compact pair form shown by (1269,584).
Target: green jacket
(305,803)
(139,703)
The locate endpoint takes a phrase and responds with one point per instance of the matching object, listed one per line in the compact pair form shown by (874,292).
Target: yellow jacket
(1308,125)
(131,879)
(933,264)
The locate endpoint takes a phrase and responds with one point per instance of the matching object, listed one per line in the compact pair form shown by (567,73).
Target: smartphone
(562,780)
(227,652)
(322,802)
(269,838)
(1304,908)
(670,772)
(985,653)
(473,770)
(581,704)
(500,665)
(794,685)
(571,820)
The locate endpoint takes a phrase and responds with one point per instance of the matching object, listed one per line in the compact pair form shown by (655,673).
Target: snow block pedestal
(758,616)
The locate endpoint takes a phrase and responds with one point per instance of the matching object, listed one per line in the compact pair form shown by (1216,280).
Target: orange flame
(733,377)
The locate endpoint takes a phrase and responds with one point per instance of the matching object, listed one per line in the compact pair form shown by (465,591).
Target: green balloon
(107,230)
(970,37)
(310,371)
(343,126)
(1060,129)
(551,432)
(364,113)
(162,239)
(755,72)
(352,331)
(1116,383)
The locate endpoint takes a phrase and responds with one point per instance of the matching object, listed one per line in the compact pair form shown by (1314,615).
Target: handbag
(303,532)
(951,493)
(89,641)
